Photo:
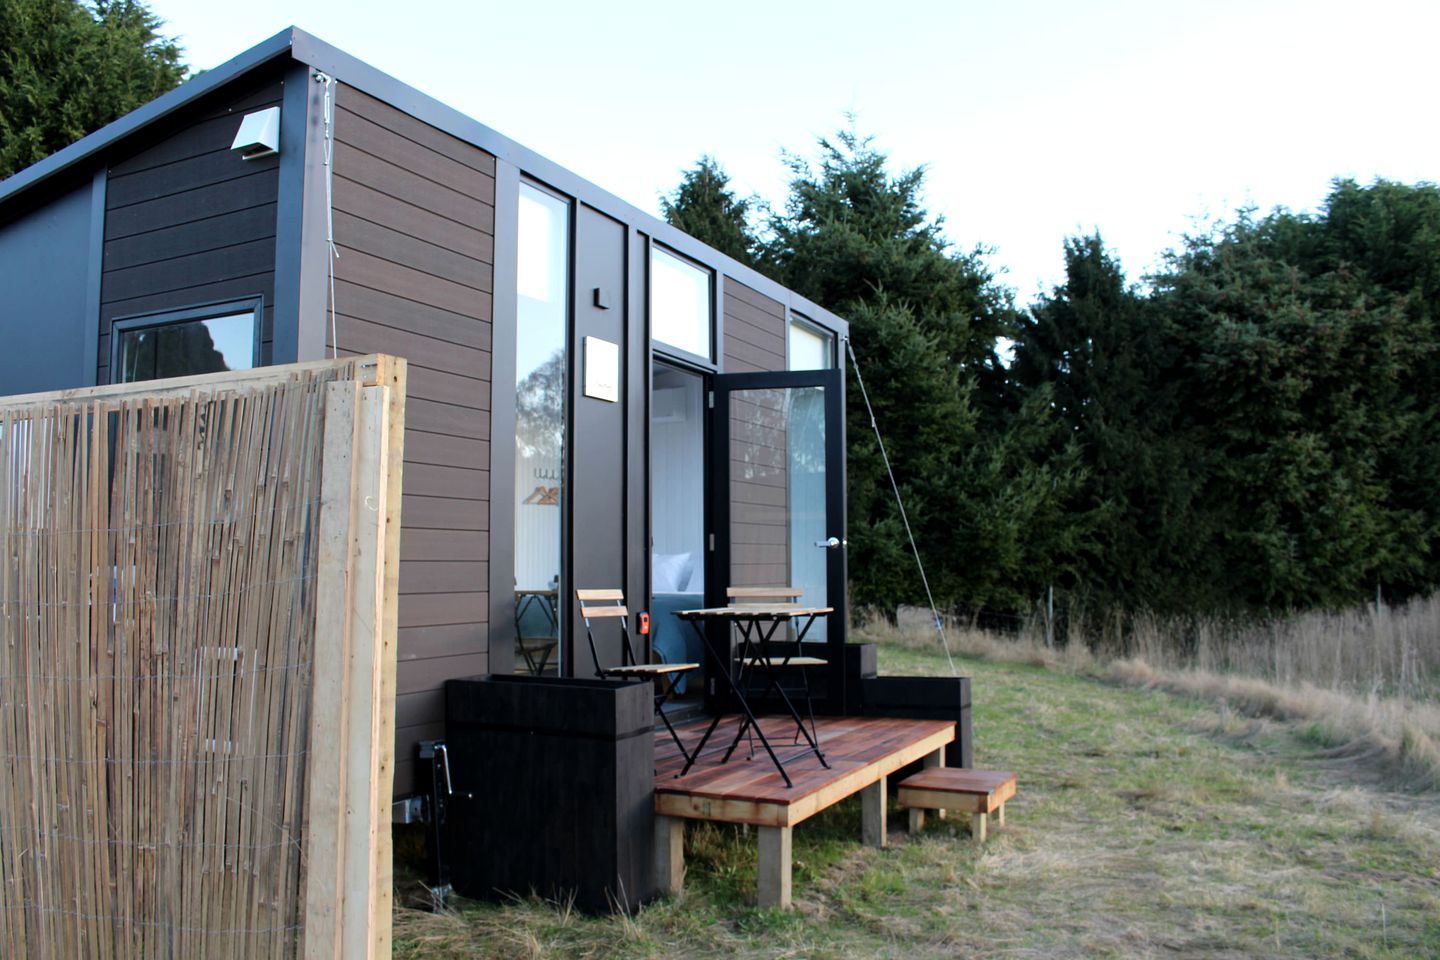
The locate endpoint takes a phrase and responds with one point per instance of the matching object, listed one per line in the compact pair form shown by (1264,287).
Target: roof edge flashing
(113,132)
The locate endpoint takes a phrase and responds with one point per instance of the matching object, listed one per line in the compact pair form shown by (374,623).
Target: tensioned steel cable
(328,113)
(900,502)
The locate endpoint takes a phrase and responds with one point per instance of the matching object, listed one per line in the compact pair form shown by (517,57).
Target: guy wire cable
(870,411)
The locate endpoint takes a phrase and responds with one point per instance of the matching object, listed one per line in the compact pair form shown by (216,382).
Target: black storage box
(560,774)
(924,698)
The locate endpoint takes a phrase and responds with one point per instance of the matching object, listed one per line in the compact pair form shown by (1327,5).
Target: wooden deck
(860,750)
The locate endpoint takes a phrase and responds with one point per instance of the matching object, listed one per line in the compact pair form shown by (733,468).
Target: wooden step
(976,792)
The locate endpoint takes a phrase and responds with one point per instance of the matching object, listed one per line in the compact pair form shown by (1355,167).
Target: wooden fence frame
(348,874)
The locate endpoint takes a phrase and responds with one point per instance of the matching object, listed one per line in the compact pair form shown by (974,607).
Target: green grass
(1146,824)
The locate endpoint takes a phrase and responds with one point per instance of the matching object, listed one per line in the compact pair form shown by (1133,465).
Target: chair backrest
(605,604)
(763,594)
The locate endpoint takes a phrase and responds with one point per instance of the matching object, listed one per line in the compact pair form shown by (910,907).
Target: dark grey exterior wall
(597,440)
(414,213)
(188,222)
(45,309)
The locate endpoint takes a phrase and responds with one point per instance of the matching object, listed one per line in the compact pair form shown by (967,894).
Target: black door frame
(717,518)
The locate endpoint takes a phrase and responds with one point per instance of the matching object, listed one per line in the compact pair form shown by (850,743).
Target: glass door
(777,506)
(677,517)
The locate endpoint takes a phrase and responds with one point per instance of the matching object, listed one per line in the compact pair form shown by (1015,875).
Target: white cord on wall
(329,115)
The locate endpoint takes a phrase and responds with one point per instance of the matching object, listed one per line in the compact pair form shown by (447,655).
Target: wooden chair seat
(976,792)
(650,669)
(786,662)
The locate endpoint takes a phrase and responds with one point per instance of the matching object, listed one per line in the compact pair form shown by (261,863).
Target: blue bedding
(674,639)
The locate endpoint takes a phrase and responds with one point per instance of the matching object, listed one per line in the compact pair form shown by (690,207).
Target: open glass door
(777,507)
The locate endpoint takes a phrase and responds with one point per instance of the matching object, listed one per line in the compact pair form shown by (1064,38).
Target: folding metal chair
(610,605)
(762,658)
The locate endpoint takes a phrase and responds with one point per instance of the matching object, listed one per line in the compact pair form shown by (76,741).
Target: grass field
(1147,824)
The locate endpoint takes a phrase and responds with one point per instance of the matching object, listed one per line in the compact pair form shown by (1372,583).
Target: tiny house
(595,398)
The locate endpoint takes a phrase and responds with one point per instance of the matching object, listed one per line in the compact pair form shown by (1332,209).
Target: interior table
(757,624)
(537,648)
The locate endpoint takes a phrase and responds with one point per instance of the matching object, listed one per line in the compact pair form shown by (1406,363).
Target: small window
(180,343)
(680,301)
(811,348)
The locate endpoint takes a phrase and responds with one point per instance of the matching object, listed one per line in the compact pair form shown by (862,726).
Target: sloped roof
(301,47)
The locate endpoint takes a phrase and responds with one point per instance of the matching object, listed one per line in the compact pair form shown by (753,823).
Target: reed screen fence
(159,580)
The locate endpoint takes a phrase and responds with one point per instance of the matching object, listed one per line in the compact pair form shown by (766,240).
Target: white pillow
(671,572)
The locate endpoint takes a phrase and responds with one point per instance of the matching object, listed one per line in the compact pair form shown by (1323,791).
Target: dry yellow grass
(1147,824)
(1364,685)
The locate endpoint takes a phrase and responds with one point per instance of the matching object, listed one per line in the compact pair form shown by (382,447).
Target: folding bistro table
(757,624)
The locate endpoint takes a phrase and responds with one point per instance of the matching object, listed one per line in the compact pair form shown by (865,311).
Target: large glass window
(811,348)
(542,330)
(180,343)
(680,303)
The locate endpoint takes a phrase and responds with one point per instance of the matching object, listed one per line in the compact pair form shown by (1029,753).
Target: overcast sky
(1035,120)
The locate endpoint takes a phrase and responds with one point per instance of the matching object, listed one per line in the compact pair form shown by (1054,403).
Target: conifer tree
(1108,361)
(704,206)
(67,69)
(924,321)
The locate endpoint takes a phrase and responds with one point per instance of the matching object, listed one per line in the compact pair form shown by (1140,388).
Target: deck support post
(669,853)
(978,823)
(917,819)
(936,759)
(773,876)
(873,801)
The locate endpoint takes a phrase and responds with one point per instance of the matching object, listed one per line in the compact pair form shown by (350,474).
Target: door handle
(831,543)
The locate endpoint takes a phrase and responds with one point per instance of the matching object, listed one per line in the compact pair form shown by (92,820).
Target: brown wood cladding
(415,223)
(759,491)
(754,330)
(188,222)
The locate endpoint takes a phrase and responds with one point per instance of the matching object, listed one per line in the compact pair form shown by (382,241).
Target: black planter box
(560,779)
(924,698)
(860,665)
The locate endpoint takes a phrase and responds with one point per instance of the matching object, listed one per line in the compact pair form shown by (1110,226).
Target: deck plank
(860,750)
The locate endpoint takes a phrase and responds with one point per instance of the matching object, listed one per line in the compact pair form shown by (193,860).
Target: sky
(1035,121)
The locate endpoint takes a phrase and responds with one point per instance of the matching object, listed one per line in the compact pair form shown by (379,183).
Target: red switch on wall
(644,624)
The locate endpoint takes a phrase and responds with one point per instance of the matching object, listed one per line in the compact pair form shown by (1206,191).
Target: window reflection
(212,345)
(541,367)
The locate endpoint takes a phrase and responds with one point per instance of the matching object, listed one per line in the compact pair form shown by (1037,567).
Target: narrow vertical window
(810,348)
(541,366)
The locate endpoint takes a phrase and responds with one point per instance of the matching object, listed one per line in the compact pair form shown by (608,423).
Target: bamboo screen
(158,592)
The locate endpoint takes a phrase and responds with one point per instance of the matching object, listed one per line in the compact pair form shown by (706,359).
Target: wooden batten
(599,594)
(326,782)
(593,613)
(365,370)
(351,733)
(393,374)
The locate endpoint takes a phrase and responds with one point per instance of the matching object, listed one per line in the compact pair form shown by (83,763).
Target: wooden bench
(976,792)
